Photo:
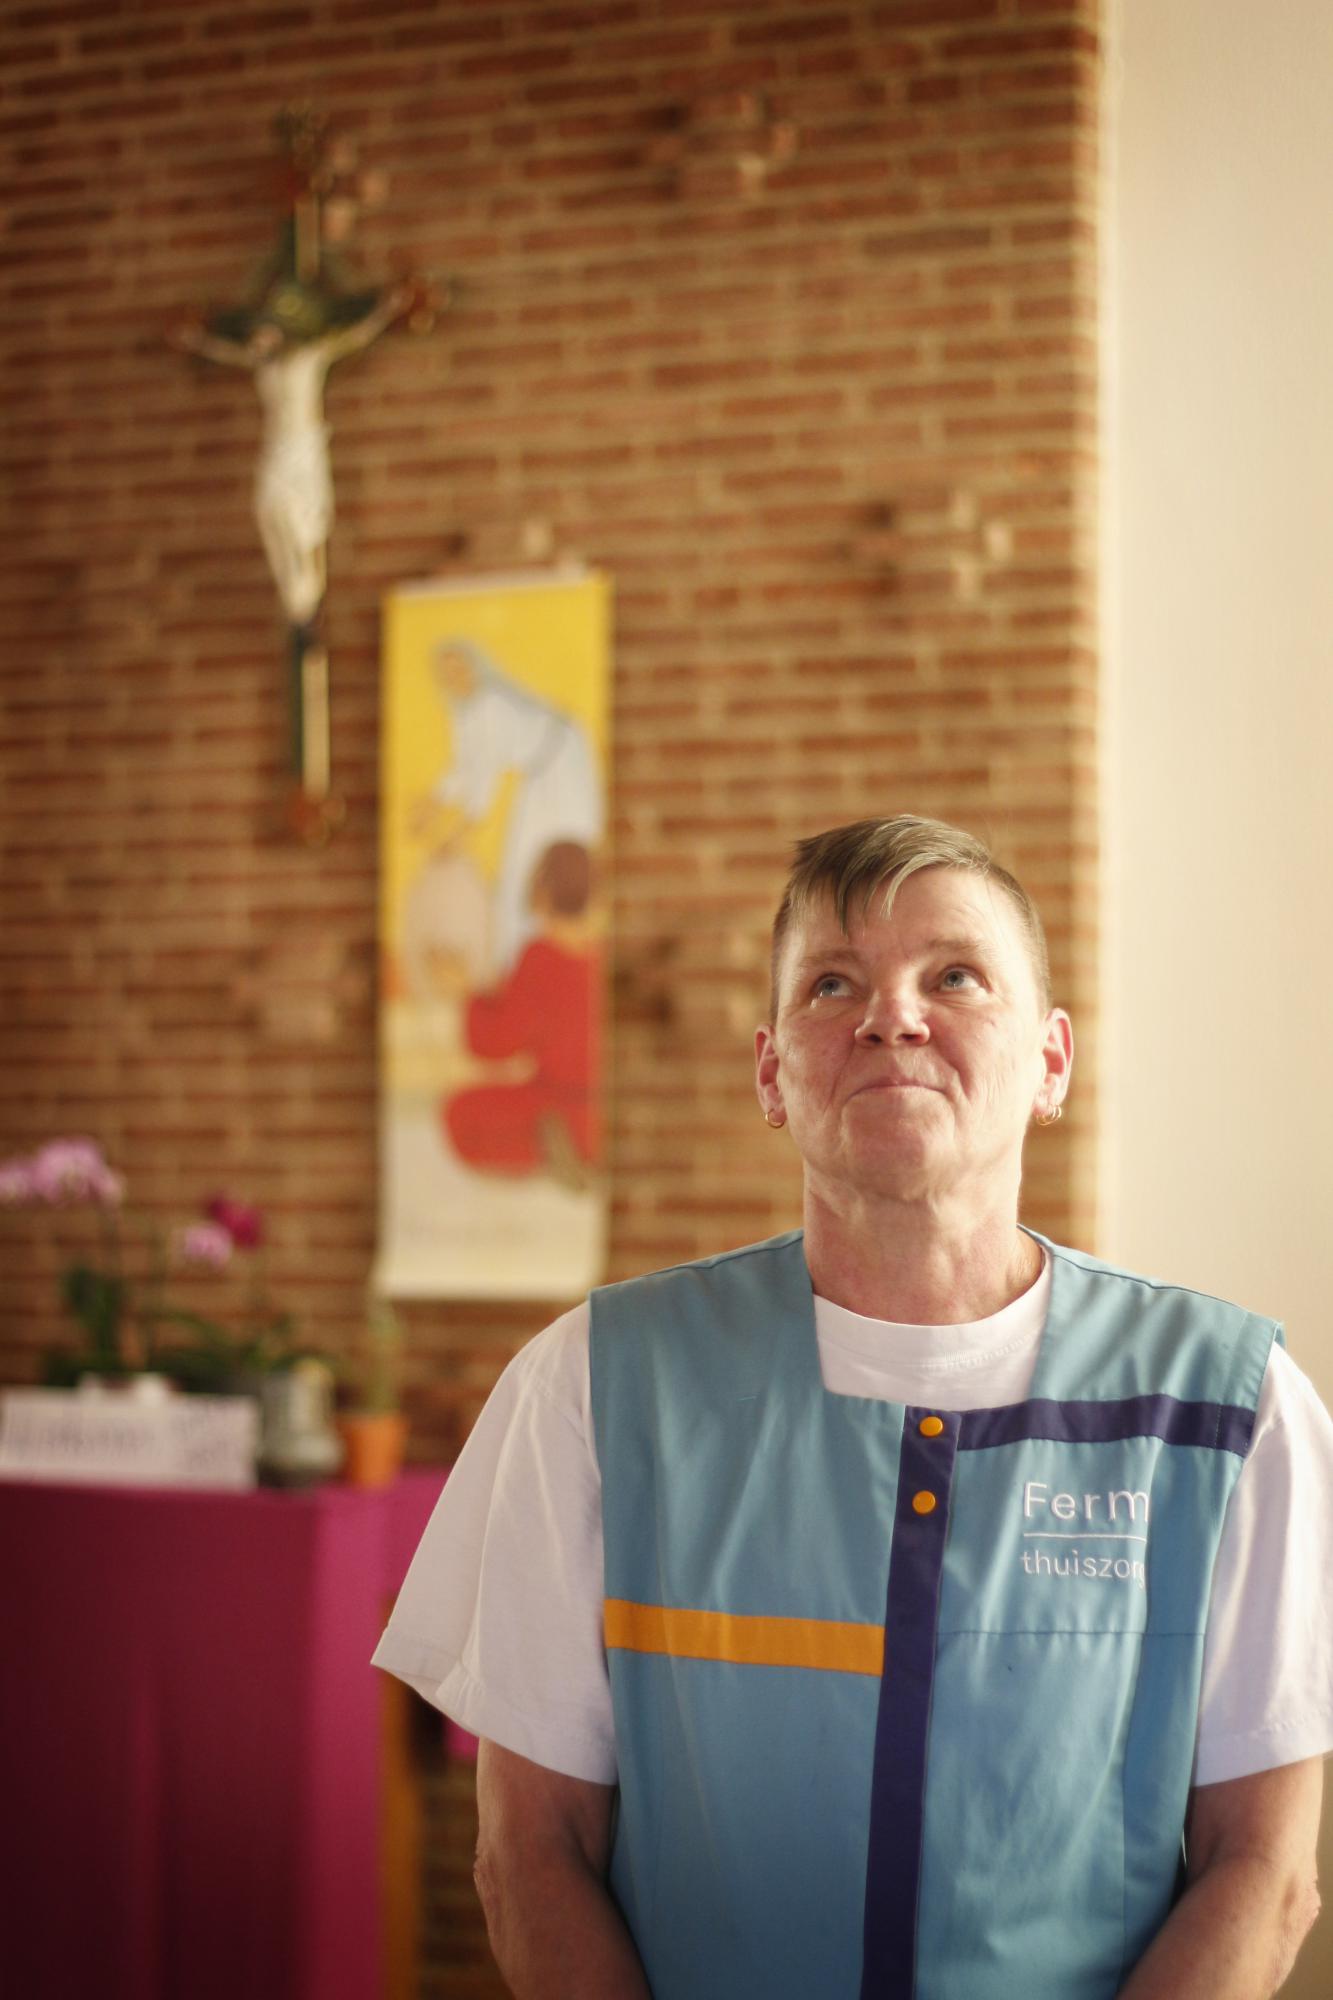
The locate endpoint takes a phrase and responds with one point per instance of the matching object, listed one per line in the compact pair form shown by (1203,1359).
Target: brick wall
(782,314)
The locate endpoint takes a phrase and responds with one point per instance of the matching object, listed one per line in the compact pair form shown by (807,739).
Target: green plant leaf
(98,1303)
(213,1335)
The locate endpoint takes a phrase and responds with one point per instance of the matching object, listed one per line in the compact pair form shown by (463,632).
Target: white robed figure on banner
(499,727)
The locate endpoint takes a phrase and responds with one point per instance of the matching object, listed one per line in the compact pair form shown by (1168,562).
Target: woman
(870,1611)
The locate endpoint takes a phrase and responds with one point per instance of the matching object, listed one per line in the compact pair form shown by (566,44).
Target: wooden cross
(300,319)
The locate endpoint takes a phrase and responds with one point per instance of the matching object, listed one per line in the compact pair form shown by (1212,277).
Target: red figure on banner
(548,1008)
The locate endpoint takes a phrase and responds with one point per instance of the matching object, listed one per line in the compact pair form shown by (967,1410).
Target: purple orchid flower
(66,1171)
(243,1223)
(206,1244)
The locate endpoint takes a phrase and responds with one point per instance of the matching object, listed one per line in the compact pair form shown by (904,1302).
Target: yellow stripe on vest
(749,1641)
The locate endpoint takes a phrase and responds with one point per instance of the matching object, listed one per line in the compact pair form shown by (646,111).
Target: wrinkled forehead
(938,907)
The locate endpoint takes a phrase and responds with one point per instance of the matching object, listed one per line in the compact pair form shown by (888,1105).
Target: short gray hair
(849,863)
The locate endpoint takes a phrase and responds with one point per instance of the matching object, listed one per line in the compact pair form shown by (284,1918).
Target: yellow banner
(492,937)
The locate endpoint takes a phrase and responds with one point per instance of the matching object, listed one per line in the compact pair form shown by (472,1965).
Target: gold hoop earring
(776,1123)
(1053,1117)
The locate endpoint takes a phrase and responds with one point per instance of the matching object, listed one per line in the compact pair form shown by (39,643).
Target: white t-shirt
(499,1622)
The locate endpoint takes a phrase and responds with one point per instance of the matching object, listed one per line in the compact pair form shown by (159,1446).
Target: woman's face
(909,1054)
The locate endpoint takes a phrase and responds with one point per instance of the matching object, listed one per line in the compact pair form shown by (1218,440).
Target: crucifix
(299,322)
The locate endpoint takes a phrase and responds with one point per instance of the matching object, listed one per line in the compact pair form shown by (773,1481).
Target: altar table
(192,1741)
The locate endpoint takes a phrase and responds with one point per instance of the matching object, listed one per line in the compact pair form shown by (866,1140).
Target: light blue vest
(905,1699)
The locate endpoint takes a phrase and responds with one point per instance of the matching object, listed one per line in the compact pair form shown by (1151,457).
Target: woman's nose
(892,1015)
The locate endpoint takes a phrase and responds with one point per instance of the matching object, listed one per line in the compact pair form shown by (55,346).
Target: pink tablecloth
(189,1739)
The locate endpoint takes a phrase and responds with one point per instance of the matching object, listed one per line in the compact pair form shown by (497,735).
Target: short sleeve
(1267,1694)
(499,1622)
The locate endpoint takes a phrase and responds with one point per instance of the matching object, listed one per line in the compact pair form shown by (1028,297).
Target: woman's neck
(918,1268)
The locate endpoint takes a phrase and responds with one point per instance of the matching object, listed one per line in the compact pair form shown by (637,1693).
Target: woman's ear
(767,1083)
(1058,1056)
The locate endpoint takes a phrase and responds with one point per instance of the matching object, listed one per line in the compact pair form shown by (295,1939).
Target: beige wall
(1218,1166)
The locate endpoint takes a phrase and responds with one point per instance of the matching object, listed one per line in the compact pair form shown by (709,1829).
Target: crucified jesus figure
(294,484)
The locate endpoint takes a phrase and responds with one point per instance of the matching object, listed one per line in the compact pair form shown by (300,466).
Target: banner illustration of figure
(499,726)
(494,918)
(548,1008)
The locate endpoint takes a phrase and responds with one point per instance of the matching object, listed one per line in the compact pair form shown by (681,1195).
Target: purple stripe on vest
(1217,1426)
(916,1564)
(898,1782)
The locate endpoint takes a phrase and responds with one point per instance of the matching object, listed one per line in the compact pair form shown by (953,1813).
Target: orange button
(924,1503)
(930,1427)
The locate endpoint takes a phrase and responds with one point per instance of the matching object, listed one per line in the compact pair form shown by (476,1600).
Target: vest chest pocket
(1053,1537)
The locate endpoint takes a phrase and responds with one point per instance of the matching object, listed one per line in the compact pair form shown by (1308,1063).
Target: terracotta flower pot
(374,1445)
